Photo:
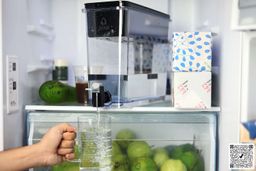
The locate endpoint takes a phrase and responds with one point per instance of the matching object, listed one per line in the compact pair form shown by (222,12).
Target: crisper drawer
(183,136)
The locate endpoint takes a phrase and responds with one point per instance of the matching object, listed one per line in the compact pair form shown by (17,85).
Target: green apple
(143,164)
(138,149)
(120,161)
(124,138)
(160,156)
(173,165)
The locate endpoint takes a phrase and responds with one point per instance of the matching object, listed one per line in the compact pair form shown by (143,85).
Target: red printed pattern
(200,105)
(207,86)
(183,87)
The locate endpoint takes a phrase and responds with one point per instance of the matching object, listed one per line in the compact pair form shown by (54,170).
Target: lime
(116,148)
(138,149)
(169,148)
(189,158)
(177,152)
(143,164)
(160,156)
(173,165)
(188,147)
(199,165)
(124,138)
(119,160)
(121,168)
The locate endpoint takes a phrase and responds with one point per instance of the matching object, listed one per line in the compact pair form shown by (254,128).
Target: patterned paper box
(245,135)
(192,90)
(192,51)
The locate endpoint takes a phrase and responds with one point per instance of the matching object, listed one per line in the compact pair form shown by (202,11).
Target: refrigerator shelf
(129,110)
(39,68)
(38,31)
(191,141)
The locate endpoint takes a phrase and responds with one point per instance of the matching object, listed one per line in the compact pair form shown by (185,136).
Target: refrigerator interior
(39,31)
(197,128)
(53,29)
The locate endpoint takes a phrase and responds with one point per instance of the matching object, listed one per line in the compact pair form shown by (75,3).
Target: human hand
(58,144)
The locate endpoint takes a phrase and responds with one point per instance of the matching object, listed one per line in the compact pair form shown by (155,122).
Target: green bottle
(56,92)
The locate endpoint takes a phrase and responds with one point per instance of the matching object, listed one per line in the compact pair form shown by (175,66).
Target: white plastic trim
(236,17)
(1,87)
(246,76)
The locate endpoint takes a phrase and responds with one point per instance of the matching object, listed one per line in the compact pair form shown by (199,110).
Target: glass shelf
(152,107)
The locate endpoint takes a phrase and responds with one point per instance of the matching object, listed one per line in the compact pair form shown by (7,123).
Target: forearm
(21,158)
(56,146)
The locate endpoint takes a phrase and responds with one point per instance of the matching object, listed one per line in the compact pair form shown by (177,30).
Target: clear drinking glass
(94,135)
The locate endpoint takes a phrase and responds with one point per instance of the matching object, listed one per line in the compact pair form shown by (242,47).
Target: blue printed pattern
(192,51)
(161,57)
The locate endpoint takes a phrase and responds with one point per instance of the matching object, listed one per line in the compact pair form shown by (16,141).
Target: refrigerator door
(159,127)
(248,91)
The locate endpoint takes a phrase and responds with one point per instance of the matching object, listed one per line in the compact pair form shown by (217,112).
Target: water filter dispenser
(128,50)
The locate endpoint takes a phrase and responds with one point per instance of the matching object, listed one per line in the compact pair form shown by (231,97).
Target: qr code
(241,156)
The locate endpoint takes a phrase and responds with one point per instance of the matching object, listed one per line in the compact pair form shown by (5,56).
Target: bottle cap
(60,62)
(60,70)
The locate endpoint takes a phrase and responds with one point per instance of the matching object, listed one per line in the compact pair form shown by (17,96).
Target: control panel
(12,84)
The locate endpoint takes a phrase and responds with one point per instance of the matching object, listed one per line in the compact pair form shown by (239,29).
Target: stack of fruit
(131,154)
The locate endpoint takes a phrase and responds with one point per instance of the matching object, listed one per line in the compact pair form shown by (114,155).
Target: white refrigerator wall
(69,25)
(37,32)
(29,49)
